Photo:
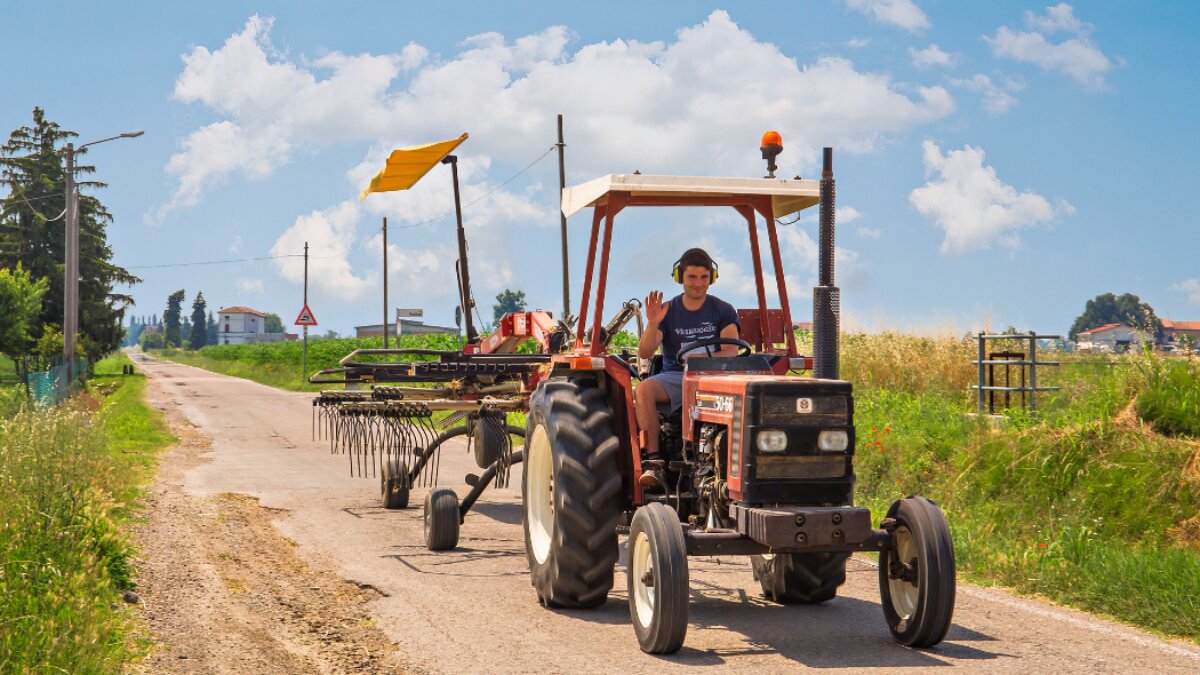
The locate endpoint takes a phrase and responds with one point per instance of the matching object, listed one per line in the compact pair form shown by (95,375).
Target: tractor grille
(822,411)
(801,466)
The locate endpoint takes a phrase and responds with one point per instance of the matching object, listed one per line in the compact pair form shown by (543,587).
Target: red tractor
(760,460)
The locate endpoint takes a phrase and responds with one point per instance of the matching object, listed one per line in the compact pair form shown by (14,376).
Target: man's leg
(648,395)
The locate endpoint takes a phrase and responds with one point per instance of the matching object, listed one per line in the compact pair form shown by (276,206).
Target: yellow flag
(406,166)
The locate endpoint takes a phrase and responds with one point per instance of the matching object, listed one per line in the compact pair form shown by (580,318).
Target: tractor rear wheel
(442,519)
(658,579)
(393,484)
(917,576)
(571,488)
(802,578)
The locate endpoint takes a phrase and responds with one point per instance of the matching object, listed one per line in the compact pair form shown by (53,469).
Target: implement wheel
(658,579)
(442,519)
(571,487)
(916,576)
(801,578)
(486,441)
(393,484)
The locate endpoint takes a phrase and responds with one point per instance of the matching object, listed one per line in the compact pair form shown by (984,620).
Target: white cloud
(930,56)
(997,99)
(330,234)
(1191,287)
(900,13)
(1059,17)
(868,232)
(429,271)
(858,43)
(846,214)
(972,206)
(249,286)
(235,244)
(663,107)
(1077,57)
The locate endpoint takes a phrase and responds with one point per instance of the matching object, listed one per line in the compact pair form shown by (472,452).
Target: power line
(219,262)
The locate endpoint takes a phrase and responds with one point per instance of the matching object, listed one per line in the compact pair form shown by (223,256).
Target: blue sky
(998,163)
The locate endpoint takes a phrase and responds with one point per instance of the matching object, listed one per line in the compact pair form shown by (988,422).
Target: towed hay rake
(391,430)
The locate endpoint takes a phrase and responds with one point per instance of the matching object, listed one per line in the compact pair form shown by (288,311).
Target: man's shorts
(672,383)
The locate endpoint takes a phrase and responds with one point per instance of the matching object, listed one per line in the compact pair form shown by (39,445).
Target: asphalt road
(473,610)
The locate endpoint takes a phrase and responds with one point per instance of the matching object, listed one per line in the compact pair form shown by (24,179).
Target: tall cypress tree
(199,336)
(212,329)
(32,233)
(172,327)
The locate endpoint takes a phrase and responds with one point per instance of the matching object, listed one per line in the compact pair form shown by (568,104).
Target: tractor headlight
(771,440)
(833,440)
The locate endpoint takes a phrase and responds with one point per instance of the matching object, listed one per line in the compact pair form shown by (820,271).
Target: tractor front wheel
(658,579)
(571,488)
(916,575)
(802,578)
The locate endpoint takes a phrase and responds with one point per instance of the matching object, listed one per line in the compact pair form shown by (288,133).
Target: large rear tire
(658,579)
(393,484)
(571,487)
(917,575)
(802,578)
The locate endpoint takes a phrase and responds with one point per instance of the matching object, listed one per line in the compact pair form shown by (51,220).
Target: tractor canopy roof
(787,196)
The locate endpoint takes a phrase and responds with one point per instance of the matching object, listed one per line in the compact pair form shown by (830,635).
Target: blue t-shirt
(683,325)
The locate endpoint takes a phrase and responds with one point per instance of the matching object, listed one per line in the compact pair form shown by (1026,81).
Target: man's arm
(730,331)
(651,339)
(656,311)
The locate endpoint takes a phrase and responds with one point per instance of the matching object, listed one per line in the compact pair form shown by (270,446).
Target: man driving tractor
(690,316)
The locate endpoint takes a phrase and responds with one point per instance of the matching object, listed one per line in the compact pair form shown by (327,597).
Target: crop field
(1094,502)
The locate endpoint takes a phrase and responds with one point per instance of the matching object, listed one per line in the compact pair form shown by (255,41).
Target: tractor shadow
(845,632)
(502,512)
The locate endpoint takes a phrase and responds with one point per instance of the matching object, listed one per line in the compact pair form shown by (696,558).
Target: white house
(240,325)
(1113,337)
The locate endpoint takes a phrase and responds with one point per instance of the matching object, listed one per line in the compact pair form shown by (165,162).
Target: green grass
(1088,504)
(70,477)
(282,376)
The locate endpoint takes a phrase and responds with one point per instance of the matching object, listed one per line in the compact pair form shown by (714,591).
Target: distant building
(1174,330)
(1113,337)
(242,325)
(409,327)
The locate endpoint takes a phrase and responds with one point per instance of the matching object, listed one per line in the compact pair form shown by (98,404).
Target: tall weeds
(1094,501)
(62,558)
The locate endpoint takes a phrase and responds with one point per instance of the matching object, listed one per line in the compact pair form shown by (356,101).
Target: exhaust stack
(826,296)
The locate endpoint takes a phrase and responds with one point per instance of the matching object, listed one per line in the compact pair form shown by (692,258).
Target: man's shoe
(653,480)
(653,477)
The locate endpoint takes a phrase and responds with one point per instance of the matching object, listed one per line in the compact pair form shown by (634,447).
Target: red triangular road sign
(306,317)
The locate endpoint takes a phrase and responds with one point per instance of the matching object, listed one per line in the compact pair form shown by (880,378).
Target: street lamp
(71,260)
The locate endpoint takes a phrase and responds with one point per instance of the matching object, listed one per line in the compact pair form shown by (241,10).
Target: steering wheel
(708,344)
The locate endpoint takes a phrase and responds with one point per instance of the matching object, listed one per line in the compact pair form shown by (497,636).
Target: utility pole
(562,185)
(384,325)
(71,258)
(70,275)
(304,354)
